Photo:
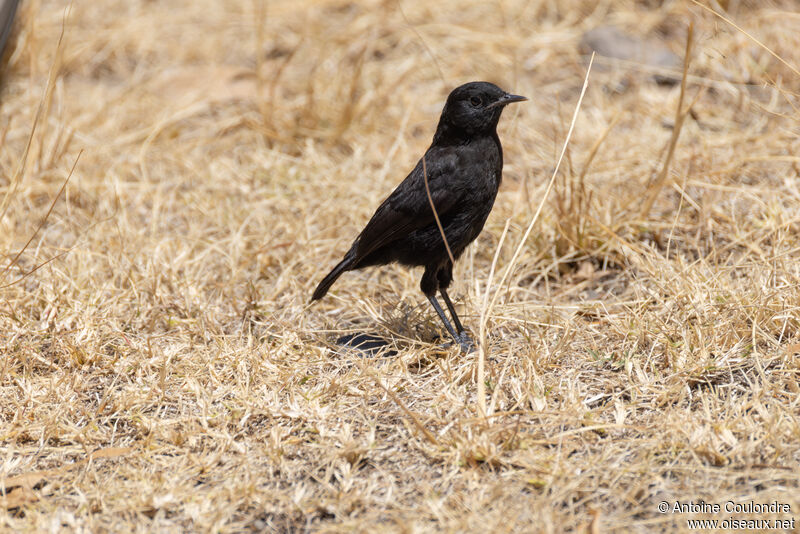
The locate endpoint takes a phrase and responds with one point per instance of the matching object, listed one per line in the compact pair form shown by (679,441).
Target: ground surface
(161,369)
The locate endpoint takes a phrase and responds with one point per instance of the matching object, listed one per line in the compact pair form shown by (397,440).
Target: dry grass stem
(636,300)
(433,209)
(680,115)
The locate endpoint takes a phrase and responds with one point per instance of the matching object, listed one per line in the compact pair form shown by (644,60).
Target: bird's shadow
(403,323)
(366,344)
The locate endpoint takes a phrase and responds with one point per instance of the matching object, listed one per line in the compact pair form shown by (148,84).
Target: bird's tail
(332,276)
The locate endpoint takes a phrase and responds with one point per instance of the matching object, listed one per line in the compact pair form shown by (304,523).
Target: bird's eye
(475,101)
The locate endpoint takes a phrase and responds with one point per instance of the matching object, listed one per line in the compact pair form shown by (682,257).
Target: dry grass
(161,369)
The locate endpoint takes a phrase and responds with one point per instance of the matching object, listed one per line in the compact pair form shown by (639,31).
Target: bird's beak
(506,99)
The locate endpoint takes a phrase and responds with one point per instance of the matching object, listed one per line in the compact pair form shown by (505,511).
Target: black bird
(463,167)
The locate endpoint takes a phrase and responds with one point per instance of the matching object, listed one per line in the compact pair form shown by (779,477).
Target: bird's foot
(467,345)
(464,341)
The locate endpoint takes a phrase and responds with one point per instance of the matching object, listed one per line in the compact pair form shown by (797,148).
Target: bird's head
(474,108)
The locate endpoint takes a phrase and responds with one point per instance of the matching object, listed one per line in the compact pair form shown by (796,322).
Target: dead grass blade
(44,104)
(749,36)
(17,498)
(680,115)
(424,44)
(41,224)
(435,213)
(655,358)
(414,419)
(28,480)
(487,310)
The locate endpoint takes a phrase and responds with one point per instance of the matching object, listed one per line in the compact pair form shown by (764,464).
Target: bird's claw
(464,342)
(467,346)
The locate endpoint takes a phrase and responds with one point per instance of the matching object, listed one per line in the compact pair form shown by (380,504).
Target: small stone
(611,42)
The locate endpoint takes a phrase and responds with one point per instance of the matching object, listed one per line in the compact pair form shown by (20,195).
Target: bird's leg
(449,303)
(436,278)
(443,317)
(462,338)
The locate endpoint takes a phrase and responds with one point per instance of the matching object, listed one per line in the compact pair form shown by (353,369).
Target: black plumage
(463,167)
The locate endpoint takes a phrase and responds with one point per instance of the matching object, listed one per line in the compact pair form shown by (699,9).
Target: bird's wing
(408,207)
